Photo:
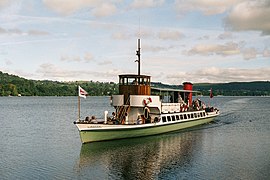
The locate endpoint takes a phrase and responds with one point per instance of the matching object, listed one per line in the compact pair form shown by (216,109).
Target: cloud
(53,72)
(8,62)
(37,33)
(266,53)
(105,9)
(249,53)
(3,31)
(250,15)
(121,35)
(227,49)
(98,8)
(138,4)
(4,3)
(170,35)
(16,31)
(86,58)
(156,48)
(207,7)
(105,63)
(215,75)
(225,35)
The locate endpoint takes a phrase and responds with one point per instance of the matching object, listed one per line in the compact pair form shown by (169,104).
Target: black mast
(138,53)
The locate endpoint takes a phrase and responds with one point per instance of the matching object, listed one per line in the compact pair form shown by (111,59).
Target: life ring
(146,101)
(146,112)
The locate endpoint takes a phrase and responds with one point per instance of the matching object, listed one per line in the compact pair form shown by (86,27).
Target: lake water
(38,140)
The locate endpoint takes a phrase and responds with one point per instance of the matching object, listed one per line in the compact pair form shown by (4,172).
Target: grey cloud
(250,15)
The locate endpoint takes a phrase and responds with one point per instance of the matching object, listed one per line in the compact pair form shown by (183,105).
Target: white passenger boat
(143,111)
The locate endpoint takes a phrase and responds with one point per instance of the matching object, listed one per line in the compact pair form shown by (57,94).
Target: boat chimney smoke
(138,53)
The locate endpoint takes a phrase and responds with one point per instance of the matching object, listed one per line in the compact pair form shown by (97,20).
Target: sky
(200,41)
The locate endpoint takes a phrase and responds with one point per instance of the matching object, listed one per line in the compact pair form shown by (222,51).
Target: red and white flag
(82,92)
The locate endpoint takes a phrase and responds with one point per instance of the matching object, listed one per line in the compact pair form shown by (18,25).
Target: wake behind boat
(142,110)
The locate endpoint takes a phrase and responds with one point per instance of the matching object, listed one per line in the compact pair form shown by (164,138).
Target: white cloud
(215,75)
(136,4)
(98,8)
(266,53)
(87,57)
(107,62)
(249,53)
(105,9)
(121,35)
(225,35)
(4,3)
(207,7)
(170,35)
(53,72)
(37,33)
(70,58)
(250,15)
(3,31)
(227,49)
(8,62)
(16,31)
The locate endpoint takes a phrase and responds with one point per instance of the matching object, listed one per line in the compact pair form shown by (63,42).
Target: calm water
(39,141)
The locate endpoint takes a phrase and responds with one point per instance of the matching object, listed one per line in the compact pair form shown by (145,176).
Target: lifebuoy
(146,112)
(146,101)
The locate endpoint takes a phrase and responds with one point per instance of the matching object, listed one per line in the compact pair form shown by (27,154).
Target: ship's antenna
(138,53)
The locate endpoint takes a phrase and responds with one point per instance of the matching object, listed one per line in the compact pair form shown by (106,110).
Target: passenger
(93,120)
(139,120)
(143,119)
(113,116)
(87,119)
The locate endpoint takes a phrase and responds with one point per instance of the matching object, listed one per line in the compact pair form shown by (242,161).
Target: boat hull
(130,131)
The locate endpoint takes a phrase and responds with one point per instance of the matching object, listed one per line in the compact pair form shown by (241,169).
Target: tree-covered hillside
(256,88)
(14,85)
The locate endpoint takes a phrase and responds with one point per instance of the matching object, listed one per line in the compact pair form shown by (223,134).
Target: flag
(82,92)
(211,93)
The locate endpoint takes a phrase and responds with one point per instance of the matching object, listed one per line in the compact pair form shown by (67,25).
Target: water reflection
(139,158)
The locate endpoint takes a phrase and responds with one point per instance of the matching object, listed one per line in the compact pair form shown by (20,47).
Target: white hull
(104,132)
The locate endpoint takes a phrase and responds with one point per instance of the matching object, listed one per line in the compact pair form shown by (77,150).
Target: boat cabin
(130,84)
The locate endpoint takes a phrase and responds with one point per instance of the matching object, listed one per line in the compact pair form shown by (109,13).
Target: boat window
(173,118)
(163,118)
(146,81)
(132,81)
(141,81)
(177,117)
(185,116)
(169,118)
(125,81)
(203,113)
(188,116)
(192,116)
(195,115)
(199,115)
(181,117)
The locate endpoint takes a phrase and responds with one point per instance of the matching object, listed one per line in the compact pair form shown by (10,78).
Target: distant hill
(255,88)
(14,85)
